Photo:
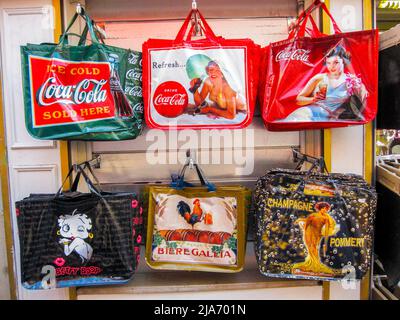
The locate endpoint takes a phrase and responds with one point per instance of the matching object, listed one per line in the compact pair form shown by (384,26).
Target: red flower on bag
(17,212)
(139,239)
(134,203)
(141,210)
(59,262)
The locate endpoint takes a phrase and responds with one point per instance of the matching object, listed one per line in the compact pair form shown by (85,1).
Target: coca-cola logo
(67,92)
(176,100)
(296,54)
(138,107)
(134,91)
(86,91)
(170,99)
(134,59)
(134,75)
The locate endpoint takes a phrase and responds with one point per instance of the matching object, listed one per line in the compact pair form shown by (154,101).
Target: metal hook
(190,161)
(194,5)
(79,8)
(94,162)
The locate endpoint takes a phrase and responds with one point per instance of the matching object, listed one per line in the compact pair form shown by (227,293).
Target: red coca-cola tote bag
(320,81)
(197,84)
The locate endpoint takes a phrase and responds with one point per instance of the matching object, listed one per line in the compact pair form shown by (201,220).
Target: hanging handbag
(311,225)
(197,84)
(78,239)
(197,228)
(320,81)
(83,92)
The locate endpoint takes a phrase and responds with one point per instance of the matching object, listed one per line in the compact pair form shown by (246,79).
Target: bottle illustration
(122,106)
(322,89)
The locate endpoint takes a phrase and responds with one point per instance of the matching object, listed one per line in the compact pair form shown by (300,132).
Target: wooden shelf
(173,282)
(148,281)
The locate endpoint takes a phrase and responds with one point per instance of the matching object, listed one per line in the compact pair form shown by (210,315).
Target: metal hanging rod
(197,31)
(314,161)
(388,157)
(94,162)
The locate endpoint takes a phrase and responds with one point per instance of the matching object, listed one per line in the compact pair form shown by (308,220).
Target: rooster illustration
(195,215)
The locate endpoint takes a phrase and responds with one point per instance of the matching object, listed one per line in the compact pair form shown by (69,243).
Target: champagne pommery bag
(83,92)
(78,239)
(197,228)
(314,225)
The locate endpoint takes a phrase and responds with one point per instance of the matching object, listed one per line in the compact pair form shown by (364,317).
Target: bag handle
(82,37)
(302,29)
(59,192)
(89,25)
(178,180)
(317,165)
(306,16)
(206,28)
(336,28)
(86,165)
(190,33)
(80,171)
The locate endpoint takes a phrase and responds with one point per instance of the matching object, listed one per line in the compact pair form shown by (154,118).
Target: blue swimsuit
(318,111)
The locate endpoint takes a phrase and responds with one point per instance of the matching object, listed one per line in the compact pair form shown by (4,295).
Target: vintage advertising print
(197,87)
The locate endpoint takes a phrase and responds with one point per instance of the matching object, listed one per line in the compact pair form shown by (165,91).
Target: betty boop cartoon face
(75,226)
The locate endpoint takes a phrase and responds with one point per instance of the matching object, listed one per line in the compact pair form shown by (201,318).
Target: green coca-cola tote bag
(82,92)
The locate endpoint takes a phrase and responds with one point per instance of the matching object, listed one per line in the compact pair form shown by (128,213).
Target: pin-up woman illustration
(213,94)
(332,95)
(315,227)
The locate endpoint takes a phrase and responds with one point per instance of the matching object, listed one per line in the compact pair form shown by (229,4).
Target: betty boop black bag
(314,225)
(78,239)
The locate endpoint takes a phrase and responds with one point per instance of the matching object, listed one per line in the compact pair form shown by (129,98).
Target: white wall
(33,165)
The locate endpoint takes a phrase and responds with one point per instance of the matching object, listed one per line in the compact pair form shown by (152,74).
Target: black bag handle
(86,165)
(178,180)
(80,172)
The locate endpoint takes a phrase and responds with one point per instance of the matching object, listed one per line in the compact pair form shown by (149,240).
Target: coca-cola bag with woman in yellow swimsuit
(205,83)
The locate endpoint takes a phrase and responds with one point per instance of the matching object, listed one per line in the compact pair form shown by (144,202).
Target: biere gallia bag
(197,228)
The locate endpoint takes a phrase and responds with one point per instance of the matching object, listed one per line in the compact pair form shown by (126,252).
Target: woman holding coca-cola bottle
(331,95)
(215,96)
